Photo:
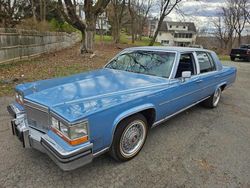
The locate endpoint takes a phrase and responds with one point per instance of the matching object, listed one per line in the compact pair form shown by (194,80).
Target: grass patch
(126,39)
(224,57)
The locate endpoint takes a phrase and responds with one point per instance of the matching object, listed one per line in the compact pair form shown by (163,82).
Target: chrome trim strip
(36,105)
(101,152)
(61,152)
(168,117)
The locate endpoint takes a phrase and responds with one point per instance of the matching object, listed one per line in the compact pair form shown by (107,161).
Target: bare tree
(132,12)
(116,13)
(88,26)
(241,15)
(225,26)
(166,8)
(12,12)
(143,12)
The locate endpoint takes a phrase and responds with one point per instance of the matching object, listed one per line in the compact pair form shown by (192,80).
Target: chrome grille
(37,116)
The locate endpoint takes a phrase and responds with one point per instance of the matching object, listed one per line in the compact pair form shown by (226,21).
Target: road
(197,148)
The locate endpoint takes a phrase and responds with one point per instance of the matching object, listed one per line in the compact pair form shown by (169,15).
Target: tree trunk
(33,11)
(157,31)
(133,30)
(90,33)
(239,38)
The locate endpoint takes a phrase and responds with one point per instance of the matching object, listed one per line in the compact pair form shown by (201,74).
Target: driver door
(181,93)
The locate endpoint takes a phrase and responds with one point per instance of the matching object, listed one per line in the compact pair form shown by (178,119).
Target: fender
(128,113)
(221,84)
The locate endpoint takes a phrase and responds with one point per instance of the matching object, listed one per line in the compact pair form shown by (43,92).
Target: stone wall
(16,44)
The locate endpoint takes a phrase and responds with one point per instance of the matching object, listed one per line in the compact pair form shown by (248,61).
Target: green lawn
(126,39)
(224,57)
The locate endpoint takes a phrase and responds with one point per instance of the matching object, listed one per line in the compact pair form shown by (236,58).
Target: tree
(132,12)
(116,13)
(225,26)
(143,12)
(12,12)
(166,8)
(88,26)
(241,15)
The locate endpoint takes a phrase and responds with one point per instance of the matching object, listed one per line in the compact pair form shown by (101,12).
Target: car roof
(168,48)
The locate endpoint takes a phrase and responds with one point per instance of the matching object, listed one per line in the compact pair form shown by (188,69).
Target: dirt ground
(197,148)
(61,63)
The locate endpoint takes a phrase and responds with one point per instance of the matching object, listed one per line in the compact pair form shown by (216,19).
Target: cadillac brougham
(74,119)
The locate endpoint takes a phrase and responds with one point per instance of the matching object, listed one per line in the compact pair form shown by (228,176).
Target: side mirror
(185,75)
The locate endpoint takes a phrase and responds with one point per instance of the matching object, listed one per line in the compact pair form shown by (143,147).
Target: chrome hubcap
(216,97)
(133,138)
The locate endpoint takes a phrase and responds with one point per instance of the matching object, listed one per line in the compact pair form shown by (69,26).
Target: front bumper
(67,159)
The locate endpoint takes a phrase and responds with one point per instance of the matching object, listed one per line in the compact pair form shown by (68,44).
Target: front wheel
(213,100)
(129,138)
(232,58)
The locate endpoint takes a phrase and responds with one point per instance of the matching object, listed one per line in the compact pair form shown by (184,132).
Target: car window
(145,62)
(186,63)
(206,62)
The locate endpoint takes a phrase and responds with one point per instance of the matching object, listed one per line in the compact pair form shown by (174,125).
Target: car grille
(37,116)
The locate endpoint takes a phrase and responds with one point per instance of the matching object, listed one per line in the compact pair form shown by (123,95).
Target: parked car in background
(242,53)
(74,119)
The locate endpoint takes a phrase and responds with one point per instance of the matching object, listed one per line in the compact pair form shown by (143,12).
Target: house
(177,34)
(102,23)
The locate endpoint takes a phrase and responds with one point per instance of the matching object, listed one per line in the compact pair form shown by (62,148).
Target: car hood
(74,96)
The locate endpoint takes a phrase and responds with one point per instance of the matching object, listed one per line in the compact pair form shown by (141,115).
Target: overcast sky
(201,12)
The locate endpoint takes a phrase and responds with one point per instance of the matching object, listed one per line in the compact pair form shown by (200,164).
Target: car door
(207,73)
(181,93)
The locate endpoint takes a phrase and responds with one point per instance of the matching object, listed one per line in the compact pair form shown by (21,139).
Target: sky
(201,12)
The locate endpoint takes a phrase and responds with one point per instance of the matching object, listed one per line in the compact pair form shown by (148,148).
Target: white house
(102,23)
(177,34)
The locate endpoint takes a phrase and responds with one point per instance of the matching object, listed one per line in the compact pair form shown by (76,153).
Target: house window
(177,26)
(184,27)
(159,33)
(164,42)
(170,26)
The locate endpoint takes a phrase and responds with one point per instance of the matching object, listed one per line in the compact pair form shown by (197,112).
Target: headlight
(78,130)
(54,123)
(19,98)
(74,134)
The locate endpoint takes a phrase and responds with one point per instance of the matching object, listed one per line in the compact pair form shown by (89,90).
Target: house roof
(190,25)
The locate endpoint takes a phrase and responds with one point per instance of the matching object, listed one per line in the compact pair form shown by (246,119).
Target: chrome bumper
(32,138)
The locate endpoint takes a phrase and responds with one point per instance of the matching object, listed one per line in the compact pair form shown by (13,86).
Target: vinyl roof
(167,48)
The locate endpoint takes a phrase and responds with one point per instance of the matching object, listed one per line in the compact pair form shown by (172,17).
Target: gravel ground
(197,148)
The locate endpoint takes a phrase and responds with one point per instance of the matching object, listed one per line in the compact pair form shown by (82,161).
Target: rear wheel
(213,100)
(129,138)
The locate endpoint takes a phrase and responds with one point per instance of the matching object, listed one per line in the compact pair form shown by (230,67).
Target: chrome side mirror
(185,75)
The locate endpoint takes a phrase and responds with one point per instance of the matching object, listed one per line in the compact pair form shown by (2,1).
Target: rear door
(207,73)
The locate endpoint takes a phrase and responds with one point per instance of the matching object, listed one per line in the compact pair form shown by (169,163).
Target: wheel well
(223,87)
(149,114)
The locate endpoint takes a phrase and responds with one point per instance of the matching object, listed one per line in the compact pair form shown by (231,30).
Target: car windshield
(144,62)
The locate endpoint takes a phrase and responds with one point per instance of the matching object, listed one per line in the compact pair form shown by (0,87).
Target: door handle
(199,81)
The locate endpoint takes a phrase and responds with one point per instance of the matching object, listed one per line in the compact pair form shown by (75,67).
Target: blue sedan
(74,119)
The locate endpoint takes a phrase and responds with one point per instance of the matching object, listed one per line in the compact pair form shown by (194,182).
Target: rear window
(206,62)
(245,46)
